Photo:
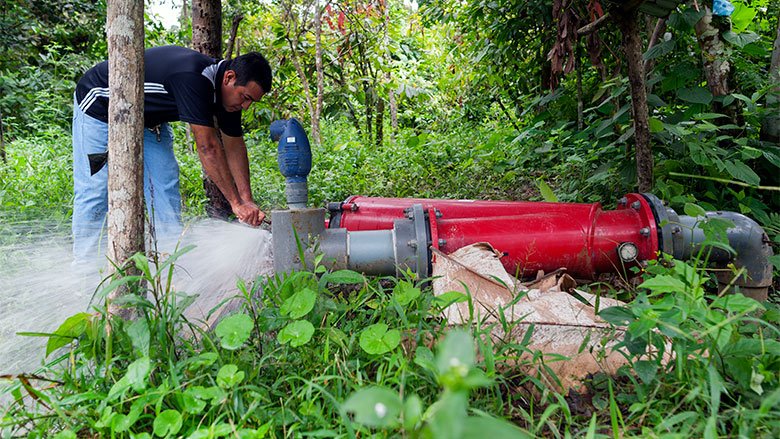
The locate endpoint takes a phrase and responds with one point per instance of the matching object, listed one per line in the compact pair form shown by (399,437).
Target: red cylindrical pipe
(374,213)
(583,238)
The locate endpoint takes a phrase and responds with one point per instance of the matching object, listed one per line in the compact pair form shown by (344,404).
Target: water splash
(39,288)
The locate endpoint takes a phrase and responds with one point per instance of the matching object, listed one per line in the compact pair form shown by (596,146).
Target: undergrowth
(337,354)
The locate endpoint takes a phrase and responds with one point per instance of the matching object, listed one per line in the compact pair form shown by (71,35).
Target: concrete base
(296,234)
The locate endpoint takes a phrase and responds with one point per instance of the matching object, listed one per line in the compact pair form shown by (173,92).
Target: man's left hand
(249,214)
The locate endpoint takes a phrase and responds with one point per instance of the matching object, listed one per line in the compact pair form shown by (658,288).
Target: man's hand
(249,213)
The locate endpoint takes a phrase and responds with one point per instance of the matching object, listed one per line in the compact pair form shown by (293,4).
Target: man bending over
(179,84)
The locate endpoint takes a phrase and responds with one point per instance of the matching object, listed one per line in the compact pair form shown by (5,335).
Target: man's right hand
(249,213)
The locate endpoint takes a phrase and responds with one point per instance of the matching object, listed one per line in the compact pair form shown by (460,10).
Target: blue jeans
(90,203)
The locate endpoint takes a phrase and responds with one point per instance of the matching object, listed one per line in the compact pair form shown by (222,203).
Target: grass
(336,354)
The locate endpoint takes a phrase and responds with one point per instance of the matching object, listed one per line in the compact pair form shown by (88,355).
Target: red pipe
(532,235)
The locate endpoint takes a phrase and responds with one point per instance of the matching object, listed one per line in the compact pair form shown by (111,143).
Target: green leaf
(659,50)
(695,95)
(736,303)
(413,411)
(234,331)
(138,331)
(656,126)
(424,358)
(405,292)
(547,193)
(72,328)
(490,427)
(375,406)
(641,326)
(345,277)
(138,373)
(456,353)
(229,376)
(450,298)
(646,370)
(663,284)
(772,157)
(203,360)
(742,16)
(377,339)
(447,416)
(742,39)
(64,434)
(167,423)
(135,377)
(299,304)
(694,210)
(775,260)
(741,171)
(190,403)
(297,333)
(617,315)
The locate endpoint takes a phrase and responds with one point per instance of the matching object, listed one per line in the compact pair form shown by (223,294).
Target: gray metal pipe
(749,241)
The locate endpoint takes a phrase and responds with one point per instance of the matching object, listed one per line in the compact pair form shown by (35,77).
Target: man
(179,84)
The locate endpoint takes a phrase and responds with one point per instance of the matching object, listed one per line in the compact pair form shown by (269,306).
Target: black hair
(252,67)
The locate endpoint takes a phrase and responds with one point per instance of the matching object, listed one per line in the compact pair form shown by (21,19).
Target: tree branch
(233,32)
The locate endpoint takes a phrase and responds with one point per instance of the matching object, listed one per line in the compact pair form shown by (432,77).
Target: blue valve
(294,159)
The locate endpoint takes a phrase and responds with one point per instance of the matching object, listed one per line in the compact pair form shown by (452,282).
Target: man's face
(239,97)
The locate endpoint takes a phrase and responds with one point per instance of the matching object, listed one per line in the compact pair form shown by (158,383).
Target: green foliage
(340,354)
(706,354)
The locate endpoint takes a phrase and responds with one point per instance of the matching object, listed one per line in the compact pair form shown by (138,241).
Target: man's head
(247,78)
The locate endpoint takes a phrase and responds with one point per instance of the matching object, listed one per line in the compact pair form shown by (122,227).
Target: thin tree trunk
(770,126)
(303,78)
(207,39)
(632,46)
(380,121)
(580,104)
(716,65)
(2,141)
(125,27)
(233,32)
(315,117)
(658,30)
(388,79)
(369,109)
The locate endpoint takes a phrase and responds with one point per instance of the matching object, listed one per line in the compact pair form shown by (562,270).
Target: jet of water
(39,287)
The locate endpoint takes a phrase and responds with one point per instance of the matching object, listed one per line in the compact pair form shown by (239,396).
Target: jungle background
(482,99)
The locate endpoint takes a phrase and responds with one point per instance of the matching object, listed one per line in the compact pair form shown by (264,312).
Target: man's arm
(238,162)
(218,167)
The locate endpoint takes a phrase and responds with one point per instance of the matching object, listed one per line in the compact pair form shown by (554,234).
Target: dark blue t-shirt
(179,84)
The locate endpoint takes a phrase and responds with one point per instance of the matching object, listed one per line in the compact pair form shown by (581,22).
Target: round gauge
(628,251)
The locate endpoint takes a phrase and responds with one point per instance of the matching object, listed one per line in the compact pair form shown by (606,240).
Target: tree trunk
(125,25)
(304,84)
(632,46)
(580,103)
(207,27)
(207,39)
(315,117)
(380,121)
(388,79)
(716,65)
(658,30)
(2,141)
(233,33)
(368,92)
(770,126)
